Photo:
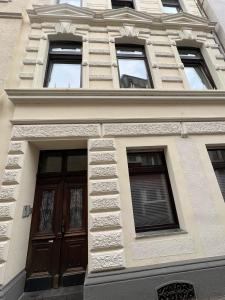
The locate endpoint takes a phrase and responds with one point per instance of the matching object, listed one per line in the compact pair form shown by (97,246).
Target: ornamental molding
(65,11)
(46,95)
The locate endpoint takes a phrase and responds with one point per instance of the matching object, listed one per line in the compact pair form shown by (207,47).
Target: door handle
(50,241)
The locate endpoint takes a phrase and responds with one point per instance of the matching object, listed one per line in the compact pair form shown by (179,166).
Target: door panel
(57,252)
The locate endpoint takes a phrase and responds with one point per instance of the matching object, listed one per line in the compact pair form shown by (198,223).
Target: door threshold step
(63,293)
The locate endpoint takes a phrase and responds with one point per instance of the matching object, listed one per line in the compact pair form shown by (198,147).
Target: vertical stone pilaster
(8,198)
(106,246)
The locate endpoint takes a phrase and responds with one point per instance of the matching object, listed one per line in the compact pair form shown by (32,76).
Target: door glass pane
(133,73)
(76,207)
(76,163)
(51,164)
(46,211)
(197,78)
(65,75)
(72,2)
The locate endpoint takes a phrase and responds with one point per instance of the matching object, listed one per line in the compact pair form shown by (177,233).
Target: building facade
(112,149)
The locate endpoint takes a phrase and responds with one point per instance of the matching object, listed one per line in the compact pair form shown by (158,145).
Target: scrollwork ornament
(177,291)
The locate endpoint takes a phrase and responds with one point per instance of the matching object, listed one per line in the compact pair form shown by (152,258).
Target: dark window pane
(133,73)
(220,174)
(144,159)
(76,207)
(217,155)
(72,2)
(197,78)
(150,198)
(76,163)
(46,211)
(51,164)
(65,75)
(120,4)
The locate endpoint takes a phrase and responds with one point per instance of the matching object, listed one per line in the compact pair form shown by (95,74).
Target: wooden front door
(57,254)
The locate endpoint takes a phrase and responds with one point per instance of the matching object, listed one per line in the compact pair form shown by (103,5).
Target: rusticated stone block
(98,172)
(5,229)
(104,187)
(107,261)
(102,144)
(55,131)
(4,247)
(205,127)
(16,148)
(99,203)
(11,177)
(7,210)
(138,129)
(8,193)
(14,162)
(98,158)
(106,240)
(102,221)
(2,273)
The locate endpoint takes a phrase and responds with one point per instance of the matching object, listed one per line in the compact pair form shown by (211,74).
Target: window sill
(165,232)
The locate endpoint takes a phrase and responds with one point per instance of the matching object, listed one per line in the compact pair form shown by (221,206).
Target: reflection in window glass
(76,163)
(196,78)
(76,208)
(65,49)
(65,75)
(170,9)
(72,2)
(46,211)
(133,73)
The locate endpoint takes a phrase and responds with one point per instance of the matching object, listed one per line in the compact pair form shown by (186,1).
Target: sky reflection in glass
(65,75)
(196,78)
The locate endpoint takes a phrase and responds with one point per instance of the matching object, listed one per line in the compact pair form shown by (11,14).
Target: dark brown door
(57,254)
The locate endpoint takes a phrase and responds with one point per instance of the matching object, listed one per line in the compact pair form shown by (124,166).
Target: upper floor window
(152,197)
(195,68)
(217,157)
(72,2)
(133,67)
(122,3)
(171,6)
(64,65)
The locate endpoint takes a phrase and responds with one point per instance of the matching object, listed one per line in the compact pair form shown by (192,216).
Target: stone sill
(46,95)
(160,233)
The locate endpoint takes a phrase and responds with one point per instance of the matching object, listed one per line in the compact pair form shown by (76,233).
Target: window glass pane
(46,211)
(217,155)
(51,164)
(197,78)
(150,198)
(72,2)
(131,51)
(220,174)
(76,207)
(76,163)
(170,9)
(121,4)
(133,73)
(65,75)
(190,53)
(65,48)
(144,159)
